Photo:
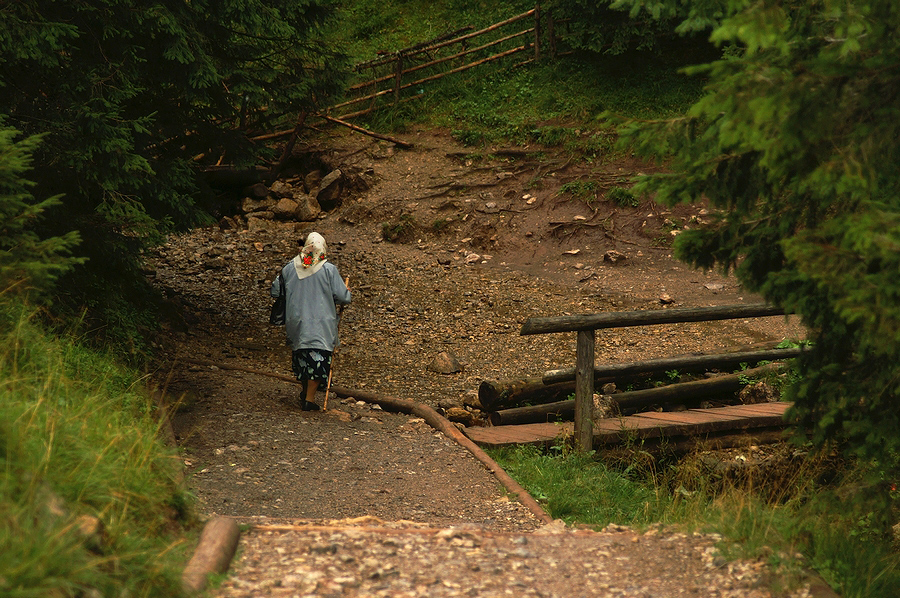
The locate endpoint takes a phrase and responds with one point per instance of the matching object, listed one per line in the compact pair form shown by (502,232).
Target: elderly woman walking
(313,289)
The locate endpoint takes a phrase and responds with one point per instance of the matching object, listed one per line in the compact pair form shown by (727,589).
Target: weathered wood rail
(586,325)
(429,61)
(399,73)
(555,385)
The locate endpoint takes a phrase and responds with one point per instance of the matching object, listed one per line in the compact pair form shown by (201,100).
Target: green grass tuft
(803,512)
(80,442)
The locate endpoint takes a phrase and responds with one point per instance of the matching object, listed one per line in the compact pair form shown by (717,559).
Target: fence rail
(586,326)
(392,73)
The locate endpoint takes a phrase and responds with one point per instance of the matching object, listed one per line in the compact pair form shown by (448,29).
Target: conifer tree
(133,98)
(795,146)
(27,262)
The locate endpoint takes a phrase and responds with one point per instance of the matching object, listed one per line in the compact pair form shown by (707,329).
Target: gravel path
(372,503)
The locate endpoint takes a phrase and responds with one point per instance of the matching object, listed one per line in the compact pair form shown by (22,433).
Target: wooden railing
(402,75)
(586,325)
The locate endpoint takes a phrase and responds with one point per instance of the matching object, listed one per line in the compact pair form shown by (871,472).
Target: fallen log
(682,363)
(218,543)
(555,385)
(499,394)
(636,399)
(534,414)
(707,442)
(352,127)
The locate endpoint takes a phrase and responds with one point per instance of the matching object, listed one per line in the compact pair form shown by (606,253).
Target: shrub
(623,197)
(401,230)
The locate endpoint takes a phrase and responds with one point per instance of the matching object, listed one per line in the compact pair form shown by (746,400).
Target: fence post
(537,31)
(584,391)
(551,34)
(398,74)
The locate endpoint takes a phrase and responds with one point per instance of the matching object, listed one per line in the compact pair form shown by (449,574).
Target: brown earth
(489,241)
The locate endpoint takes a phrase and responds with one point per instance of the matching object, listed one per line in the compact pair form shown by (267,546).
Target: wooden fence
(404,75)
(586,325)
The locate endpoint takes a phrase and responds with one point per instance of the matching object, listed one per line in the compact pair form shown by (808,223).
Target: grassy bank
(554,101)
(89,496)
(802,512)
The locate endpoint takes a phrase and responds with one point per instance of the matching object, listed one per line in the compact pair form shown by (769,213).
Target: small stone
(458,414)
(445,363)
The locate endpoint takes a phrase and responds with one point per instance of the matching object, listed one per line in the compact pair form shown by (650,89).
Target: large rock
(329,194)
(257,191)
(281,189)
(285,209)
(307,207)
(249,205)
(311,181)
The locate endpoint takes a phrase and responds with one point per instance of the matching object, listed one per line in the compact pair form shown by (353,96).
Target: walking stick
(331,369)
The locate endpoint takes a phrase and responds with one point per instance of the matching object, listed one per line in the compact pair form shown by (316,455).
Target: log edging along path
(214,551)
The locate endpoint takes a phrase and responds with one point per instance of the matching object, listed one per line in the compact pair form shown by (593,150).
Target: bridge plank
(692,422)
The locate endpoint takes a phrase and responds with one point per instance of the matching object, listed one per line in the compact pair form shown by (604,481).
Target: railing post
(551,34)
(584,391)
(398,75)
(537,31)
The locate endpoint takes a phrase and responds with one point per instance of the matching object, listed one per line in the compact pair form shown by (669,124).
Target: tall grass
(804,512)
(79,447)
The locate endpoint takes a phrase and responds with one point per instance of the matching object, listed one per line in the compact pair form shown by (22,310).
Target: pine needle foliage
(27,262)
(134,99)
(795,145)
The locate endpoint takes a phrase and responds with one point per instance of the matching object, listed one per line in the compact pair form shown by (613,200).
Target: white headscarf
(312,257)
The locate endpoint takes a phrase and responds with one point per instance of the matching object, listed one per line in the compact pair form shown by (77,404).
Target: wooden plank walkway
(653,424)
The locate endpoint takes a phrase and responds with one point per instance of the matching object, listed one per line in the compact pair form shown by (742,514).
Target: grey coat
(311,320)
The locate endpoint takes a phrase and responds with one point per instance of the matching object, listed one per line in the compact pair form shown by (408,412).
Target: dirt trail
(253,456)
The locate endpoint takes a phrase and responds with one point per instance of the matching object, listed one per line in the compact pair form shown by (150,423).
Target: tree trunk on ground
(682,363)
(634,400)
(556,385)
(498,394)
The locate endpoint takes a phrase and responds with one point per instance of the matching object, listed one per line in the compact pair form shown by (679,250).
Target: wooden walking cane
(331,369)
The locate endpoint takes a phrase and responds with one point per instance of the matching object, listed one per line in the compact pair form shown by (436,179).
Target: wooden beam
(218,543)
(635,399)
(494,395)
(544,325)
(401,143)
(584,391)
(683,363)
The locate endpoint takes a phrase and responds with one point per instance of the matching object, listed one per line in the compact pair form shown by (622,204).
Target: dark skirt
(311,364)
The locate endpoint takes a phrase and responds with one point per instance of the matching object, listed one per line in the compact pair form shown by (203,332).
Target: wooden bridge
(674,426)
